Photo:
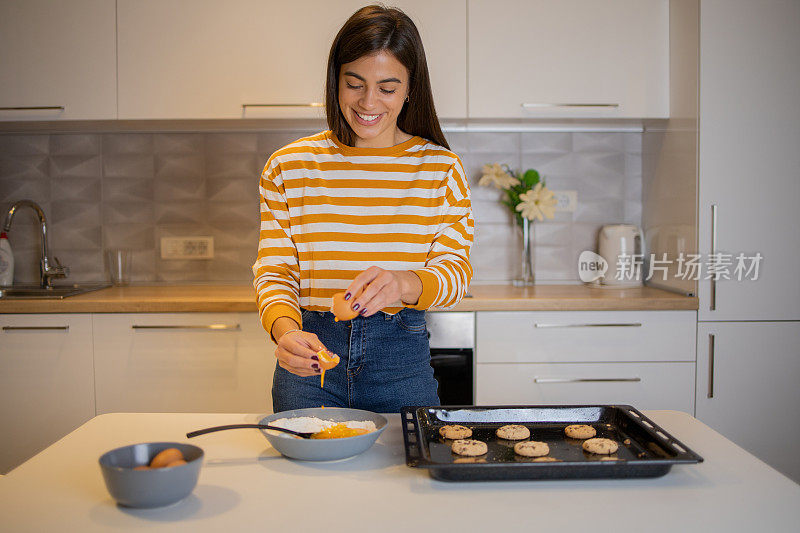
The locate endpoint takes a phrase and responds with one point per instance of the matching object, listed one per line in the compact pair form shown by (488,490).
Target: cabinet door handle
(34,108)
(619,325)
(710,365)
(586,380)
(309,104)
(216,327)
(713,296)
(543,105)
(35,328)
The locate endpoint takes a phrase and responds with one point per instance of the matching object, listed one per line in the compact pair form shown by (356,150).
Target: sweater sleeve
(447,271)
(276,270)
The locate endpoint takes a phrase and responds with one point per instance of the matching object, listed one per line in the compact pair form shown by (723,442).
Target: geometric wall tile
(128,143)
(127,190)
(179,166)
(13,144)
(75,144)
(24,166)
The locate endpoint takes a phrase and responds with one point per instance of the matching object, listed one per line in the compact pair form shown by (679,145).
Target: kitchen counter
(241,298)
(246,486)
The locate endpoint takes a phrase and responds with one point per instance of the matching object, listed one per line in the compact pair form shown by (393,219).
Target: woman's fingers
(378,294)
(297,353)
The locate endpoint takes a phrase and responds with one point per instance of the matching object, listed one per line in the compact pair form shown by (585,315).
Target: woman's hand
(297,349)
(376,288)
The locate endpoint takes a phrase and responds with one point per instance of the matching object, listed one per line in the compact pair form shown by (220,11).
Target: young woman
(377,207)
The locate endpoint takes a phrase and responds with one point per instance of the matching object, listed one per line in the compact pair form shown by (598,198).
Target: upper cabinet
(571,58)
(57,60)
(190,59)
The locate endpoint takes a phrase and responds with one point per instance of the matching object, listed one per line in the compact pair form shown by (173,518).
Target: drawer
(585,336)
(643,385)
(182,362)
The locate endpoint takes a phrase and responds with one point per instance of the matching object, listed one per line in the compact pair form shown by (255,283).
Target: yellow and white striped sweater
(329,211)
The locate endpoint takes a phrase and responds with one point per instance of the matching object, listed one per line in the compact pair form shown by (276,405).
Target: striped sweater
(329,211)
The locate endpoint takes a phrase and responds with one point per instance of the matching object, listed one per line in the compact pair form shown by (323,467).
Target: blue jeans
(385,364)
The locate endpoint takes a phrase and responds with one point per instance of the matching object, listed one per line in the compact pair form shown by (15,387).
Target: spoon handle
(239,426)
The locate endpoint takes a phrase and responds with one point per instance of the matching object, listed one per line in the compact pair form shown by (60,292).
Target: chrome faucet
(46,272)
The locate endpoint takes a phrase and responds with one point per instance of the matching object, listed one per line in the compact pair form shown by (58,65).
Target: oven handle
(448,358)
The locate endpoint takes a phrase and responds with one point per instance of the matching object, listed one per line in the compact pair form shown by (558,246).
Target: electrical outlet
(566,200)
(187,247)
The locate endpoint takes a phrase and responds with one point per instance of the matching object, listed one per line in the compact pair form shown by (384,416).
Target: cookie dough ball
(513,432)
(580,431)
(600,446)
(531,448)
(469,447)
(455,432)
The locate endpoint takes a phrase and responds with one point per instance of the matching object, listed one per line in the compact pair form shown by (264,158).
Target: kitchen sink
(32,292)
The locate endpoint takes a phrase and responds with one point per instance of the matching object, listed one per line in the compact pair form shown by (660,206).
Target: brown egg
(165,457)
(341,308)
(179,462)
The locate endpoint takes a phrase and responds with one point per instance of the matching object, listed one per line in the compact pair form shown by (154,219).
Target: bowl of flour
(316,419)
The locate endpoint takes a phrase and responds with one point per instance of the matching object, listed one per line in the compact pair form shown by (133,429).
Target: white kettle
(616,241)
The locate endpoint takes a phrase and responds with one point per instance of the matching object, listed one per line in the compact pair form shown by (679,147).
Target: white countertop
(246,486)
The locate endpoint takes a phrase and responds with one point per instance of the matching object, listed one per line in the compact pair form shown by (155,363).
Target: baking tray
(645,449)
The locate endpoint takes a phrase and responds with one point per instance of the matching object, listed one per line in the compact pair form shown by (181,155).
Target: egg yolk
(327,361)
(338,431)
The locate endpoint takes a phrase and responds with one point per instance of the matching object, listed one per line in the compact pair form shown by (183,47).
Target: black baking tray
(645,449)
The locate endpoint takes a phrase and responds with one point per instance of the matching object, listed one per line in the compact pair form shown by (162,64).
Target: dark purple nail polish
(363,310)
(315,358)
(355,307)
(347,296)
(315,366)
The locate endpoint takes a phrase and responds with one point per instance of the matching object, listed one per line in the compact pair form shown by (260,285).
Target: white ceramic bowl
(324,449)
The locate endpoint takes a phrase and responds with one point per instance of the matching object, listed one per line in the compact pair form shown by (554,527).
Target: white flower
(495,175)
(538,203)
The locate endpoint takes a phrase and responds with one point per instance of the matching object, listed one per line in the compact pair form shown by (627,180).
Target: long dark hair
(369,30)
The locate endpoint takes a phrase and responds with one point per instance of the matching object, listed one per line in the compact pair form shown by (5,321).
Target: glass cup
(119,266)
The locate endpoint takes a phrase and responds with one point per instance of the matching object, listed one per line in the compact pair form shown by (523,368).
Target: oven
(451,335)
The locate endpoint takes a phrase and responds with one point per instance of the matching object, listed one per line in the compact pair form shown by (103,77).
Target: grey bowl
(149,488)
(324,449)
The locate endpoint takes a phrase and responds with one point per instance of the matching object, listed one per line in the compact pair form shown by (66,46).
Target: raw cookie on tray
(532,448)
(600,446)
(580,431)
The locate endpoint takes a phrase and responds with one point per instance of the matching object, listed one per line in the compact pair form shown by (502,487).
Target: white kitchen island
(245,485)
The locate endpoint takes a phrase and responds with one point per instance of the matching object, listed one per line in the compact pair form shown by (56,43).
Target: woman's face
(372,90)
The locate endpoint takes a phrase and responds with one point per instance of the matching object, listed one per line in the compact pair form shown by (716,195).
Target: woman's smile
(367,120)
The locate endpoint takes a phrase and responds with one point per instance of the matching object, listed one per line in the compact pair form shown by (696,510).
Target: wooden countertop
(241,298)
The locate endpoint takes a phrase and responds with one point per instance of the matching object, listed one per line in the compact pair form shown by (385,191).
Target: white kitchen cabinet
(585,336)
(526,56)
(642,358)
(747,387)
(643,385)
(205,59)
(183,362)
(58,54)
(46,381)
(749,156)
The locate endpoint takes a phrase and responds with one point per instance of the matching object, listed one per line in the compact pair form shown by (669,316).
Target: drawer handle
(216,327)
(620,325)
(538,105)
(586,380)
(34,108)
(310,104)
(35,328)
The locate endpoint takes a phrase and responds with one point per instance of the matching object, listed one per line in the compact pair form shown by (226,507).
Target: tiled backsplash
(127,190)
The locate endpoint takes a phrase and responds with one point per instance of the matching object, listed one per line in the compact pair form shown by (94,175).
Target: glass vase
(526,264)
